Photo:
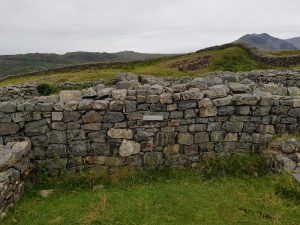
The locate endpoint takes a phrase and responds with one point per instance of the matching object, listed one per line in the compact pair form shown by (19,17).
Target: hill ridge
(31,62)
(267,42)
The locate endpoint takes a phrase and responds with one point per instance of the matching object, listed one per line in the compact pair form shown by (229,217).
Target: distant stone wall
(144,121)
(260,56)
(286,78)
(14,168)
(27,91)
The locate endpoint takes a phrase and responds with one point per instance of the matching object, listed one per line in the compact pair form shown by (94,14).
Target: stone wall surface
(287,78)
(22,92)
(14,168)
(144,121)
(286,155)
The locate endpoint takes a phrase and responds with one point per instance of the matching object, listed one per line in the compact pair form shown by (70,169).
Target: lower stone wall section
(150,125)
(15,166)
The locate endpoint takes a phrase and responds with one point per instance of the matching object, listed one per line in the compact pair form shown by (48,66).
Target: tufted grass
(231,59)
(165,196)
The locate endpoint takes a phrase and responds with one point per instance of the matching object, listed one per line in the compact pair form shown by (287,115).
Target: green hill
(228,59)
(19,64)
(284,53)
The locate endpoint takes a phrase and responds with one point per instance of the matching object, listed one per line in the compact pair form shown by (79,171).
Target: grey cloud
(141,25)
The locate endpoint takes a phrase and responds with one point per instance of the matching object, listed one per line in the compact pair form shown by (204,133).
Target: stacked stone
(27,91)
(287,82)
(286,155)
(141,122)
(11,93)
(14,168)
(285,78)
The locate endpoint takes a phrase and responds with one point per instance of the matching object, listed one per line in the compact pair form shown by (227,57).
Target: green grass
(16,64)
(230,59)
(283,53)
(166,196)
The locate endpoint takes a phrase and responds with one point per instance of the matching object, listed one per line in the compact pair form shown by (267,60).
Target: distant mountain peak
(266,35)
(267,42)
(295,41)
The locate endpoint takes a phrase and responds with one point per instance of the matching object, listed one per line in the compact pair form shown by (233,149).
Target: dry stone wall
(146,121)
(287,78)
(259,55)
(27,91)
(15,166)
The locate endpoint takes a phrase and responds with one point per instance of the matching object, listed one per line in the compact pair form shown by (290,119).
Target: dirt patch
(192,65)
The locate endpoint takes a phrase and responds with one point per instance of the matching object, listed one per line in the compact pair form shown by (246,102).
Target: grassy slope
(282,53)
(230,59)
(182,199)
(15,64)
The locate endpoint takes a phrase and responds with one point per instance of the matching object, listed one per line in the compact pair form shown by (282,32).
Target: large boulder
(101,104)
(104,93)
(166,98)
(9,128)
(92,117)
(172,149)
(13,153)
(113,117)
(245,99)
(129,148)
(119,95)
(57,137)
(192,94)
(36,128)
(207,108)
(68,96)
(127,77)
(89,92)
(153,158)
(273,89)
(285,164)
(185,139)
(217,91)
(239,88)
(223,101)
(8,107)
(120,133)
(294,91)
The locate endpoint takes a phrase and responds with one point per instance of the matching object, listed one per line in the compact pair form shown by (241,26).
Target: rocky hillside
(295,41)
(267,42)
(16,64)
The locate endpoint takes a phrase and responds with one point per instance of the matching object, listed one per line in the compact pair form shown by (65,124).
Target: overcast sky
(166,26)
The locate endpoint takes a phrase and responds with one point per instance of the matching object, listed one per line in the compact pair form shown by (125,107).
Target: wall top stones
(288,78)
(216,85)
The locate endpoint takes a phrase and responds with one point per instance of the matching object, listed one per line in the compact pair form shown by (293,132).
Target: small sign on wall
(153,117)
